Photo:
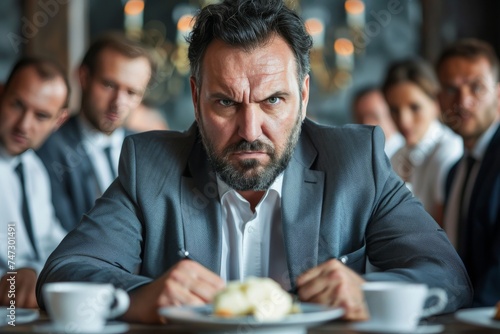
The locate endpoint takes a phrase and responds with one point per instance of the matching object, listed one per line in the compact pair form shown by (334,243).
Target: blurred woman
(411,89)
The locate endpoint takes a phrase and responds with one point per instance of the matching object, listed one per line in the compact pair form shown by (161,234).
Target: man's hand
(186,283)
(332,283)
(25,283)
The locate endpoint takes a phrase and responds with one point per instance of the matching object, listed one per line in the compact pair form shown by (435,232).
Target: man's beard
(250,174)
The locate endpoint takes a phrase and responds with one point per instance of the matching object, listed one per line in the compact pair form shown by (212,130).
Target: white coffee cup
(83,307)
(398,306)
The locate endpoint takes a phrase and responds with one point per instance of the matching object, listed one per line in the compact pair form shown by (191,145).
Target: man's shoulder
(67,134)
(163,141)
(354,134)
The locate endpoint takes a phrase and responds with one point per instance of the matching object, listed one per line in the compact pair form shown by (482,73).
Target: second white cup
(398,306)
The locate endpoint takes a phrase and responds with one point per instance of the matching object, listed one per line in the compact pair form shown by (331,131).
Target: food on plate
(261,297)
(497,313)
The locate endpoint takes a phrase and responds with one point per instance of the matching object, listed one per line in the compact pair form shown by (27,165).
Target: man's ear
(63,117)
(84,76)
(305,96)
(194,96)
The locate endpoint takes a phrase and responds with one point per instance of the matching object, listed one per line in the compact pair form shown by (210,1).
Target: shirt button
(343,259)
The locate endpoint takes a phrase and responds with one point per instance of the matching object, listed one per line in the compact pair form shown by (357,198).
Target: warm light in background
(354,6)
(184,27)
(185,23)
(316,28)
(355,11)
(134,7)
(344,54)
(343,46)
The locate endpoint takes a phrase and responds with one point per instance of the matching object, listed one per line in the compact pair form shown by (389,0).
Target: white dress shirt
(426,164)
(47,231)
(94,143)
(252,242)
(452,212)
(393,144)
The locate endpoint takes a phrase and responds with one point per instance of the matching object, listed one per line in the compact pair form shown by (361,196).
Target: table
(451,326)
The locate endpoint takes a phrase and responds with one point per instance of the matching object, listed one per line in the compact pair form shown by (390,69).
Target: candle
(316,28)
(134,12)
(355,10)
(184,27)
(344,54)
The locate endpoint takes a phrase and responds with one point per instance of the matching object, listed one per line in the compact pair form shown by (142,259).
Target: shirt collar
(12,160)
(419,152)
(482,144)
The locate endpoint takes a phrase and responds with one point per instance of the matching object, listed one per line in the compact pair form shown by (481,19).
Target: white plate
(23,315)
(482,316)
(422,329)
(112,327)
(202,317)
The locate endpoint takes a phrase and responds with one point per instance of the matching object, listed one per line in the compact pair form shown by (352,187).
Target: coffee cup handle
(122,303)
(442,300)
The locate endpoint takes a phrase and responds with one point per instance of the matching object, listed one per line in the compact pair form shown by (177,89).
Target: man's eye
(273,100)
(42,117)
(450,90)
(476,89)
(226,103)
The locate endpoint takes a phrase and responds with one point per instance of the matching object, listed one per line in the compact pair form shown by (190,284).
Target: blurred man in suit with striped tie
(33,104)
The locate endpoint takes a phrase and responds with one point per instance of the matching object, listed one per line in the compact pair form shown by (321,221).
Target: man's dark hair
(46,68)
(118,42)
(471,49)
(365,90)
(248,24)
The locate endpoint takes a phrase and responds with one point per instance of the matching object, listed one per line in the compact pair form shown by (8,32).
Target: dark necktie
(107,151)
(464,207)
(25,208)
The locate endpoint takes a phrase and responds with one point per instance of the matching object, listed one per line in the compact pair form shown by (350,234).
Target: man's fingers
(178,294)
(317,271)
(191,283)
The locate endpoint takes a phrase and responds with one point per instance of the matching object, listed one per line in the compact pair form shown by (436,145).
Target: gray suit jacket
(340,199)
(72,176)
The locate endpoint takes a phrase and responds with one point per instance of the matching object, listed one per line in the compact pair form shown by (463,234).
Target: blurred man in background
(33,104)
(369,107)
(82,157)
(468,72)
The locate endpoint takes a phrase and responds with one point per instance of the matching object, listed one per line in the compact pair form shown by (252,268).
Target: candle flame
(354,7)
(343,47)
(134,7)
(314,26)
(185,23)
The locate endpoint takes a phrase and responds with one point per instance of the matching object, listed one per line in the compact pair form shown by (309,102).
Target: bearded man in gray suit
(253,188)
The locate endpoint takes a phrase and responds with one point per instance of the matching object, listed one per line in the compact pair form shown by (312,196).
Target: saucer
(421,329)
(113,327)
(22,315)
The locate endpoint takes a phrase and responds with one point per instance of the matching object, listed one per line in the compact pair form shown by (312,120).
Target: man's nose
(25,121)
(121,98)
(465,97)
(405,120)
(250,123)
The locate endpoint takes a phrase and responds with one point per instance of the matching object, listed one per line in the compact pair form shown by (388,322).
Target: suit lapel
(301,209)
(201,212)
(483,181)
(90,185)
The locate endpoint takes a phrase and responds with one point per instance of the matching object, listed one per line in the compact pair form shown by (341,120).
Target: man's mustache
(246,146)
